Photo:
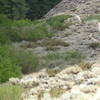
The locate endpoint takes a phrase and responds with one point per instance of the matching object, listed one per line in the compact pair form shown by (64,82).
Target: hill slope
(65,6)
(68,48)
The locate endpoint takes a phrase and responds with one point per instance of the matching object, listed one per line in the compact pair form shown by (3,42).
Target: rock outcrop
(72,83)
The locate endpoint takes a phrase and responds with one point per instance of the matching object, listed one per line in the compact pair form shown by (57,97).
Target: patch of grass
(57,22)
(51,48)
(54,42)
(21,23)
(10,92)
(94,17)
(54,56)
(8,66)
(27,44)
(52,72)
(26,22)
(57,92)
(66,56)
(85,65)
(73,55)
(57,59)
(30,33)
(94,45)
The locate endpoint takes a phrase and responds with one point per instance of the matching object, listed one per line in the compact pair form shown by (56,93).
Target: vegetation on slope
(9,92)
(16,59)
(32,9)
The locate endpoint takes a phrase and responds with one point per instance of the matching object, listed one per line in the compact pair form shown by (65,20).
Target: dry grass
(10,92)
(53,72)
(54,42)
(94,45)
(52,48)
(56,92)
(40,94)
(85,65)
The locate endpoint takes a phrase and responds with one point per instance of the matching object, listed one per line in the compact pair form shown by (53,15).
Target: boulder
(14,81)
(88,88)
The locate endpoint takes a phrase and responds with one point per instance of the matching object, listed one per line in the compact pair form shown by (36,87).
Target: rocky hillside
(76,6)
(70,58)
(65,6)
(81,34)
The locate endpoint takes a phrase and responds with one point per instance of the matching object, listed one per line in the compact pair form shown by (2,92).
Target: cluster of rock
(80,35)
(78,83)
(89,8)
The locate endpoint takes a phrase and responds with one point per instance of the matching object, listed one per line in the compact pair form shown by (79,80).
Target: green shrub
(26,22)
(71,57)
(15,60)
(57,22)
(8,69)
(4,38)
(54,56)
(10,92)
(5,24)
(66,55)
(23,30)
(4,20)
(25,59)
(8,66)
(30,32)
(21,23)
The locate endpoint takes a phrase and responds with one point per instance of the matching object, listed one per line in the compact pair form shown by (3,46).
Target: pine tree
(14,9)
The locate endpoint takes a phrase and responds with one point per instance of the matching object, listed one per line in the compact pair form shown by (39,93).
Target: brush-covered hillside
(56,57)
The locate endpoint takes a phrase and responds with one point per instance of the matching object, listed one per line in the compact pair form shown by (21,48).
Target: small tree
(14,9)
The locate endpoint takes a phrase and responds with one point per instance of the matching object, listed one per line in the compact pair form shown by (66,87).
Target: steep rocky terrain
(80,7)
(65,6)
(74,82)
